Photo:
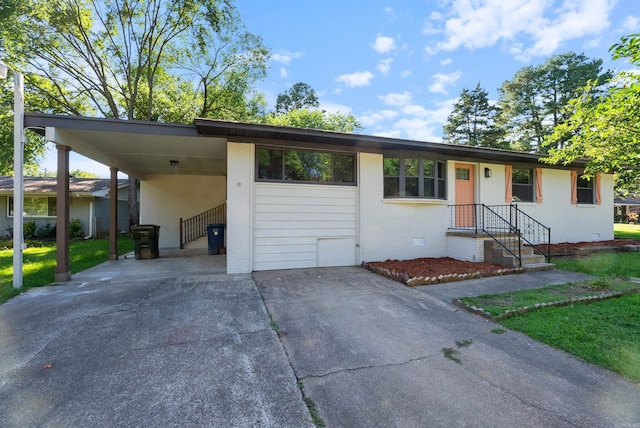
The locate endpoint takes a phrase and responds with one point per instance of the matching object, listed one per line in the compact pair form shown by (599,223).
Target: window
(522,184)
(406,177)
(37,206)
(305,166)
(585,191)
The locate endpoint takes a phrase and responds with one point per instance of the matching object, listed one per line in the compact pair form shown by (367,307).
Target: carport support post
(113,214)
(63,267)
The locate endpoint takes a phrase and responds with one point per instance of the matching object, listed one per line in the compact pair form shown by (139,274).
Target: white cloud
(359,78)
(430,28)
(417,129)
(593,43)
(441,81)
(286,57)
(384,66)
(389,134)
(396,100)
(631,24)
(540,25)
(446,61)
(391,13)
(384,44)
(406,73)
(375,118)
(283,73)
(331,107)
(412,121)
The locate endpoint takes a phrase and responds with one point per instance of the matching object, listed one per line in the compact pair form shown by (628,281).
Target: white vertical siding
(299,225)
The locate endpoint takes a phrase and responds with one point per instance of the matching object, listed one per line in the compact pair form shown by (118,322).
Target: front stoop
(496,254)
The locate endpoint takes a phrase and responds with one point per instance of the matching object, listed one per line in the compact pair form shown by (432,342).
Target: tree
(532,102)
(78,173)
(605,127)
(315,119)
(142,59)
(473,121)
(299,96)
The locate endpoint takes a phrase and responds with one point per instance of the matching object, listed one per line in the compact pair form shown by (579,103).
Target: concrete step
(535,267)
(523,251)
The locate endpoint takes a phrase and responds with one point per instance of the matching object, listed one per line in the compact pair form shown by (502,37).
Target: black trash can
(145,241)
(215,238)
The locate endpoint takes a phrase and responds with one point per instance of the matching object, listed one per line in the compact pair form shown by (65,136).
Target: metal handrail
(195,227)
(533,232)
(502,223)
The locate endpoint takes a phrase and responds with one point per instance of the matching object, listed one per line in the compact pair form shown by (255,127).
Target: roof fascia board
(40,121)
(298,137)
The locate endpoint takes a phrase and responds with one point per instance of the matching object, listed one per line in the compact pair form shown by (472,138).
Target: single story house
(88,202)
(623,206)
(298,198)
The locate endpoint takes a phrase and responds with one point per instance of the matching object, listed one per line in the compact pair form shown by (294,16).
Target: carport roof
(142,148)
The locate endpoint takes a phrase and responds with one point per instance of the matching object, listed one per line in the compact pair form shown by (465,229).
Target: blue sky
(399,67)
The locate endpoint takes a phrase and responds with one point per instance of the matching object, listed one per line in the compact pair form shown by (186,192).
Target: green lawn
(629,231)
(39,263)
(605,264)
(605,332)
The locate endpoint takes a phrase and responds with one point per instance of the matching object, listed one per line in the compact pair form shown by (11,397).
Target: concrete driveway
(164,342)
(176,342)
(371,352)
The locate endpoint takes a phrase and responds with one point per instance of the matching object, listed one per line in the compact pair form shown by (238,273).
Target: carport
(136,148)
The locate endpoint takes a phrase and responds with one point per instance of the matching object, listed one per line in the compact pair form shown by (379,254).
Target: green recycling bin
(145,241)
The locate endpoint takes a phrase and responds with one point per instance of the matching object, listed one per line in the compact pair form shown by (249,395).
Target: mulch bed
(424,271)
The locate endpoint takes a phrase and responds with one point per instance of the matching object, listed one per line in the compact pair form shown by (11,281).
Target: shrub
(75,229)
(46,231)
(29,229)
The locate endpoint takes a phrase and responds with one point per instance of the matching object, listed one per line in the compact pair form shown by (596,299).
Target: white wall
(240,173)
(568,223)
(397,228)
(164,199)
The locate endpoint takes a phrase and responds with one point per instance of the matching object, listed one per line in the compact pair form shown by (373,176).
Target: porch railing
(195,227)
(505,224)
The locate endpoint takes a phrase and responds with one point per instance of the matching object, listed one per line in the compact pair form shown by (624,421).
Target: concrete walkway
(372,352)
(156,343)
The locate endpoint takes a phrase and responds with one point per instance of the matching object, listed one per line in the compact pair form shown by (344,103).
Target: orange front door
(465,210)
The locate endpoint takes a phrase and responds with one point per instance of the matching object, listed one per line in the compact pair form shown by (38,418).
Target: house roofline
(254,132)
(288,136)
(39,121)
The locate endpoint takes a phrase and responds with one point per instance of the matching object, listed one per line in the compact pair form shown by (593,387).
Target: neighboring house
(297,198)
(88,202)
(624,206)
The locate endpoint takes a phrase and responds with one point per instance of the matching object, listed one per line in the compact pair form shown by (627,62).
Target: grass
(626,231)
(496,304)
(602,264)
(604,332)
(39,263)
